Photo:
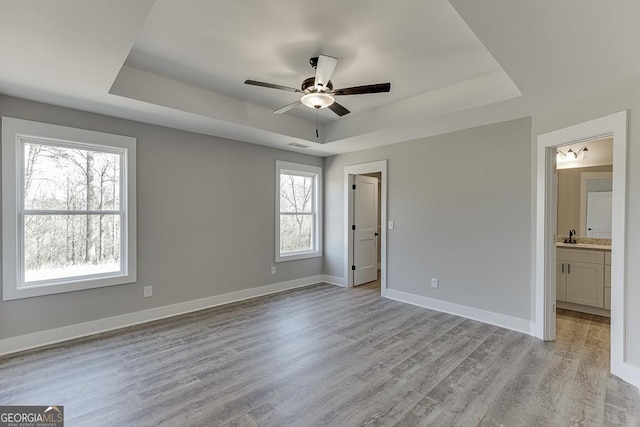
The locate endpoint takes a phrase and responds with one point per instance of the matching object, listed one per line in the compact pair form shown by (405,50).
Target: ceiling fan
(318,90)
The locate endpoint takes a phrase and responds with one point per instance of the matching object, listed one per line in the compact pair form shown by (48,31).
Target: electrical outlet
(148,291)
(273,269)
(434,283)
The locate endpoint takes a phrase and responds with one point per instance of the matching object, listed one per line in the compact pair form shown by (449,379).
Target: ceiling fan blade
(287,107)
(324,69)
(359,90)
(338,109)
(270,85)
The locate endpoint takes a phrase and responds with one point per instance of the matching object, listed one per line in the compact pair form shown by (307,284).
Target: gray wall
(206,222)
(625,96)
(461,204)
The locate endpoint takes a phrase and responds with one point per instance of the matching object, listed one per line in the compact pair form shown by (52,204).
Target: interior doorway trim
(349,172)
(614,125)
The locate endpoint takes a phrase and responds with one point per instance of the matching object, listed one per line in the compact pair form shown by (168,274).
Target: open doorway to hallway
(365,215)
(366,227)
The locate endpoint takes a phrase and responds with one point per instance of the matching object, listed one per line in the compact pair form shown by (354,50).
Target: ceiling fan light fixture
(317,100)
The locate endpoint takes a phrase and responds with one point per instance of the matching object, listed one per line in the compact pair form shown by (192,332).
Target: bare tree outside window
(296,213)
(69,214)
(72,215)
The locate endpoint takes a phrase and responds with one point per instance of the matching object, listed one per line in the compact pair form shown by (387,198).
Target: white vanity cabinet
(580,277)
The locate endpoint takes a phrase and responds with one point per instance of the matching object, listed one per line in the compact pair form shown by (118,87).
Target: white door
(365,232)
(599,214)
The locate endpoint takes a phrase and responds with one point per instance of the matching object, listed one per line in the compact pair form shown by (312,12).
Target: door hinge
(353,227)
(554,308)
(353,187)
(353,267)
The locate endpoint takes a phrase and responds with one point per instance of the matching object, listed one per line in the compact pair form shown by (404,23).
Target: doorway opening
(583,190)
(365,189)
(365,227)
(546,267)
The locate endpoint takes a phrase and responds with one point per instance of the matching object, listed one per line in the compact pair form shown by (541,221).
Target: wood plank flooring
(327,356)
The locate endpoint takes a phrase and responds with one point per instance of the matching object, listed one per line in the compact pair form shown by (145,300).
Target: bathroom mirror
(584,197)
(584,190)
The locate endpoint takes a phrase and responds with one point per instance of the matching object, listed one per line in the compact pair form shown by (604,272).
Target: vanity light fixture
(577,155)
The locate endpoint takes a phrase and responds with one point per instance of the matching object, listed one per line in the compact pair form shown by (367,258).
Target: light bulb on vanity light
(571,154)
(580,154)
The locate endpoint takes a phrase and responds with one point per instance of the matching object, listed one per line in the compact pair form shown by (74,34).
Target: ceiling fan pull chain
(317,135)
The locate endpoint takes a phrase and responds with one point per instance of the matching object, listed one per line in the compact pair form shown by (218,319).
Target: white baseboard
(583,308)
(53,336)
(627,372)
(533,330)
(333,280)
(497,319)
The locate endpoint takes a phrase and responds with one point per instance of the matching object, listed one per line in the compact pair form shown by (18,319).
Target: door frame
(349,172)
(357,236)
(614,125)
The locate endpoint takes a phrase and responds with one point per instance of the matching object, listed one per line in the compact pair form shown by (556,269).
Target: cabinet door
(561,281)
(585,284)
(607,287)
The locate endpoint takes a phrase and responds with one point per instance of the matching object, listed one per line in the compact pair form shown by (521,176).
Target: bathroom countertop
(587,246)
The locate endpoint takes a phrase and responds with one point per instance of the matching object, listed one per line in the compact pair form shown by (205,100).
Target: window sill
(80,284)
(298,255)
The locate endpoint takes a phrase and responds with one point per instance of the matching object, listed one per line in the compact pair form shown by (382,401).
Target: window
(68,209)
(299,211)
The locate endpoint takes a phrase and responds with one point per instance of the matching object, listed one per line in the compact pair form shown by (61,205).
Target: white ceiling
(183,63)
(217,45)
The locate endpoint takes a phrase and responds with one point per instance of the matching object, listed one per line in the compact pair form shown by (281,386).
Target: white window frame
(14,133)
(302,170)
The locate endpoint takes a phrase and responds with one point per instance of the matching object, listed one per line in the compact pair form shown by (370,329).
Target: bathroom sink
(583,246)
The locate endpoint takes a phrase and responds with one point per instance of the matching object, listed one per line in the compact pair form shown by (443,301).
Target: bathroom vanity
(583,278)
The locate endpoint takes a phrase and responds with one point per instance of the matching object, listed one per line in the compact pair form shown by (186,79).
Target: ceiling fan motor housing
(310,83)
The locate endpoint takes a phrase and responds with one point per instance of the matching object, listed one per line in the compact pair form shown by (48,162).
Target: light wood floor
(327,356)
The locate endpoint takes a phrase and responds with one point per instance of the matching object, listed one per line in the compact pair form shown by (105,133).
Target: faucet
(572,233)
